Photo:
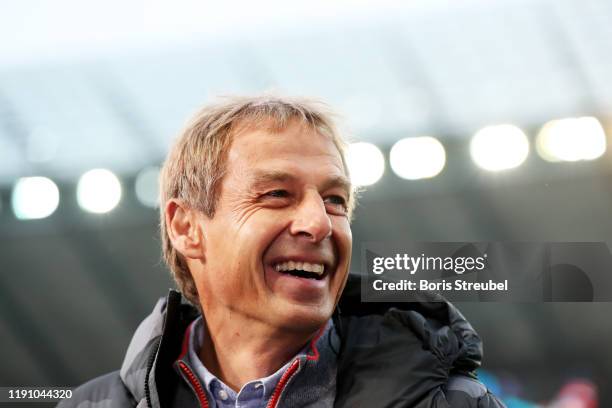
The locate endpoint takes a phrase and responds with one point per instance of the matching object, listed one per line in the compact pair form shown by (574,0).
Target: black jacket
(391,355)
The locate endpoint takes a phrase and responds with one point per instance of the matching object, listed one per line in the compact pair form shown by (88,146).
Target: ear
(183,229)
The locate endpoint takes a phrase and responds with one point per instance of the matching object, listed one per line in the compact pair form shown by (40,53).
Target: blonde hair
(195,165)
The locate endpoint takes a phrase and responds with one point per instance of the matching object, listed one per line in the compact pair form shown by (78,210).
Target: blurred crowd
(577,393)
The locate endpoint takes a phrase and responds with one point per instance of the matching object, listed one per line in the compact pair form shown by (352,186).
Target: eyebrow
(260,179)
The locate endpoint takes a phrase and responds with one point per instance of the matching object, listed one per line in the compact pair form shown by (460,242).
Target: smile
(301,269)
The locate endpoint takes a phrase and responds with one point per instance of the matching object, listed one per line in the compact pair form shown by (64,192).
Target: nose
(311,219)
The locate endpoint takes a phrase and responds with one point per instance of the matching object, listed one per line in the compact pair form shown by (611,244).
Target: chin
(304,318)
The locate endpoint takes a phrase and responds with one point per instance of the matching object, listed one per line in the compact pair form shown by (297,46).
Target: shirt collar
(196,341)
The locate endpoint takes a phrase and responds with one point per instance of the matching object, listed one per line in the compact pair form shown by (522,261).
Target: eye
(278,193)
(338,203)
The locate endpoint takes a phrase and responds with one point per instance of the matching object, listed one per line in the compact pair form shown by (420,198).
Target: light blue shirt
(254,394)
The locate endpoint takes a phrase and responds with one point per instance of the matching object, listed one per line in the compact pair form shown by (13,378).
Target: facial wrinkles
(243,208)
(235,205)
(240,202)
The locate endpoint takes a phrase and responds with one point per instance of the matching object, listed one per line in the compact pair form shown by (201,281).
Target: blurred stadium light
(417,157)
(499,147)
(147,186)
(98,191)
(366,163)
(571,139)
(34,197)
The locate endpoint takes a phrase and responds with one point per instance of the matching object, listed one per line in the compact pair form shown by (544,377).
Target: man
(255,222)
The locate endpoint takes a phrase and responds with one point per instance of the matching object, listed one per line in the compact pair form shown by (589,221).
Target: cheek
(249,242)
(344,238)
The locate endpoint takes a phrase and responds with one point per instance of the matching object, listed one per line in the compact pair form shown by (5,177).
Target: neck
(237,356)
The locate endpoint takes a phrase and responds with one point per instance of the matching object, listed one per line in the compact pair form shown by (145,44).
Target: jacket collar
(430,317)
(310,377)
(436,324)
(154,347)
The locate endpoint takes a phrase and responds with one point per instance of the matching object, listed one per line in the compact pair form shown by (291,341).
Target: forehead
(297,145)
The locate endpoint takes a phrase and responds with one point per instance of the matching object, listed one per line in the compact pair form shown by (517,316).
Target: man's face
(279,245)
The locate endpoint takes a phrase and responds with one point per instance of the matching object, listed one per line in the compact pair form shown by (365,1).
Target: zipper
(282,383)
(292,371)
(150,362)
(195,384)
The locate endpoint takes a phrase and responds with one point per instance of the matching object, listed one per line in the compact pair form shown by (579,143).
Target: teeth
(303,266)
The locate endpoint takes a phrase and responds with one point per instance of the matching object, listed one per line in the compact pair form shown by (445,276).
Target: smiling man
(256,204)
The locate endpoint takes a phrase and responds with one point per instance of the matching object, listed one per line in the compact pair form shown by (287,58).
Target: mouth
(305,270)
(304,278)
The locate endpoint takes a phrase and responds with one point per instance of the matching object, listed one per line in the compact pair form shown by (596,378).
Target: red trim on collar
(280,387)
(313,345)
(200,393)
(282,383)
(185,347)
(188,374)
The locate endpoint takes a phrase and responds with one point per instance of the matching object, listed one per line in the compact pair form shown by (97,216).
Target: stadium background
(106,85)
